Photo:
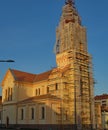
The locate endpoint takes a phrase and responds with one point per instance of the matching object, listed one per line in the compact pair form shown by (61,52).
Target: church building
(61,98)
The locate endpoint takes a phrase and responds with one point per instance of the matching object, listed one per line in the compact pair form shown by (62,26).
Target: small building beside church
(61,98)
(103,101)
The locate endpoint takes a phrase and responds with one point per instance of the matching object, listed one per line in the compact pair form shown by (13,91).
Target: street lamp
(7,60)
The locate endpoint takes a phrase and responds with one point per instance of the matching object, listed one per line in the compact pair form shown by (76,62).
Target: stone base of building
(48,127)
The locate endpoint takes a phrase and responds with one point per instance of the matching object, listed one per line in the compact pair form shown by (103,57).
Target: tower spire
(69,2)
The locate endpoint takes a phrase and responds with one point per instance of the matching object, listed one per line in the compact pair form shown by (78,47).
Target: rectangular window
(104,103)
(6,94)
(32,113)
(47,89)
(39,91)
(56,86)
(11,95)
(22,114)
(36,92)
(43,112)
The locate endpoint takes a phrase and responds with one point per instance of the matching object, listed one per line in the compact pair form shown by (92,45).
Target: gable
(8,78)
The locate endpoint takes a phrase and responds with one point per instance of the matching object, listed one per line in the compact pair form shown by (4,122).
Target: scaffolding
(77,90)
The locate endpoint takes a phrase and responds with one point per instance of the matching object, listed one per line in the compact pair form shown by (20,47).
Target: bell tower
(71,50)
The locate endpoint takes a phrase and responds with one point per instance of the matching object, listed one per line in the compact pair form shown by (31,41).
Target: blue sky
(27,35)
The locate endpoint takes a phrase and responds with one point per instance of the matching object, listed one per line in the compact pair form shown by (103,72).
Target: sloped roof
(42,76)
(40,97)
(23,76)
(100,97)
(29,77)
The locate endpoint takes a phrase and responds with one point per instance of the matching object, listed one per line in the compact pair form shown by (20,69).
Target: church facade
(61,98)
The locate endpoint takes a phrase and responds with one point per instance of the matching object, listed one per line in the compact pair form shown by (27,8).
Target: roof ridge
(23,71)
(30,77)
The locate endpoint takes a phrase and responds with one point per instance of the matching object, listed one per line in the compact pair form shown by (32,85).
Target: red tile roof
(31,78)
(100,97)
(28,77)
(42,76)
(23,76)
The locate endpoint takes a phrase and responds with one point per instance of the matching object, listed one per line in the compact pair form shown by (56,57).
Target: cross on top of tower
(69,2)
